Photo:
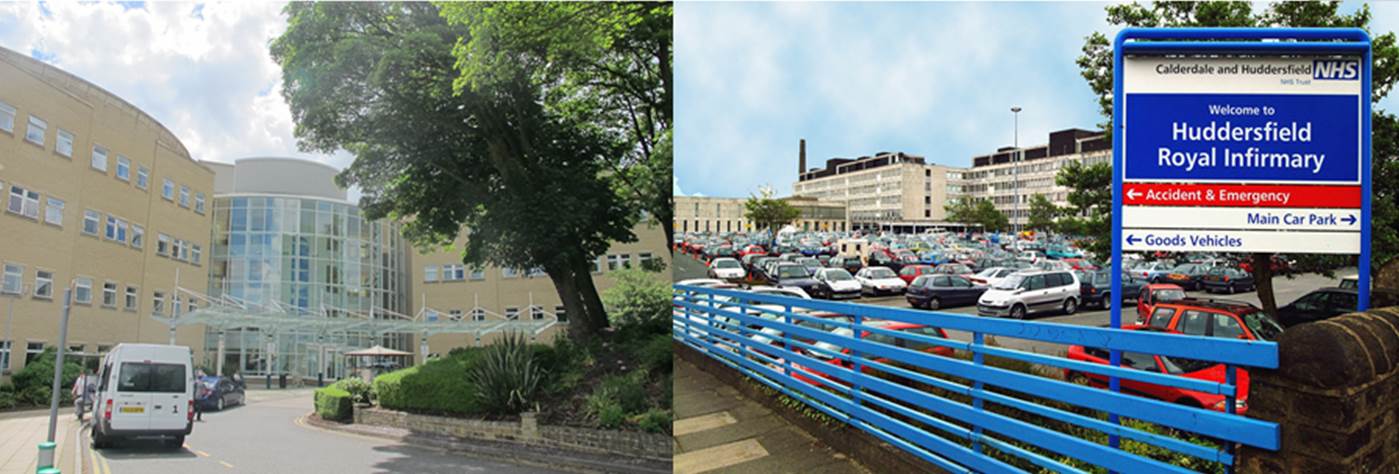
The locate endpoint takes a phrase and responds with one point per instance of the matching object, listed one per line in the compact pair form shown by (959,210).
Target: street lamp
(1015,168)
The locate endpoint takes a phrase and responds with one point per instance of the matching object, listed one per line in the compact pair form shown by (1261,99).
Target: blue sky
(936,80)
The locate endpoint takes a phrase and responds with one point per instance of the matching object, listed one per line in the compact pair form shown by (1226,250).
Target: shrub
(39,373)
(629,390)
(654,420)
(506,376)
(7,400)
(438,386)
(638,297)
(333,403)
(656,354)
(358,389)
(565,364)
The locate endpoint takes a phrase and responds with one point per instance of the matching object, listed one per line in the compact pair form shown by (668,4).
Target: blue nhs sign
(1335,69)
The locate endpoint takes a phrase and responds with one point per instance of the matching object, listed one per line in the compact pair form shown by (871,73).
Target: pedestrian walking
(199,387)
(82,388)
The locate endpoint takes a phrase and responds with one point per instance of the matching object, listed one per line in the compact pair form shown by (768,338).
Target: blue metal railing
(866,366)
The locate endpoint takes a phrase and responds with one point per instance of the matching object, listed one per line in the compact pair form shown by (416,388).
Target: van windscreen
(149,377)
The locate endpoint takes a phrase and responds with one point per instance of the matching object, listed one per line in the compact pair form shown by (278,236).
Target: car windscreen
(1262,325)
(1169,295)
(1009,283)
(837,274)
(792,271)
(726,264)
(880,272)
(152,377)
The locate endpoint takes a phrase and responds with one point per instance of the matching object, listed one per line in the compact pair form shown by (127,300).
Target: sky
(934,80)
(203,70)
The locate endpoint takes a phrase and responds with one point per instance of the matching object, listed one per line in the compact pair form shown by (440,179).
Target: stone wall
(526,431)
(1335,395)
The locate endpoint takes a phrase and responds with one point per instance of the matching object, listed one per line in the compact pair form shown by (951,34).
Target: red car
(1191,368)
(909,272)
(817,376)
(1080,264)
(1156,293)
(752,249)
(1277,264)
(1214,318)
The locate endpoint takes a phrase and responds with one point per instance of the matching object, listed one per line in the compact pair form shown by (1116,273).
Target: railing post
(856,323)
(1230,378)
(787,344)
(977,344)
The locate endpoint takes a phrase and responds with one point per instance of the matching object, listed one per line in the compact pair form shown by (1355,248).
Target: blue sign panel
(1243,137)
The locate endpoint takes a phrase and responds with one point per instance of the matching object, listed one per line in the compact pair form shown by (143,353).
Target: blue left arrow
(1132,240)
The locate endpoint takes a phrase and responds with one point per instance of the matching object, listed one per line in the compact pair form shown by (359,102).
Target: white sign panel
(1148,217)
(1239,241)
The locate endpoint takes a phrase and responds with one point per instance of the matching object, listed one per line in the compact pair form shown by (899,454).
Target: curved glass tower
(284,235)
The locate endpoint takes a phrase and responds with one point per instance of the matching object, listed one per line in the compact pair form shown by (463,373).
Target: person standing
(80,394)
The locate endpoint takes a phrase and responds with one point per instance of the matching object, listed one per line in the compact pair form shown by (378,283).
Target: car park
(1224,279)
(880,280)
(835,283)
(1189,368)
(940,291)
(1214,318)
(1028,292)
(726,268)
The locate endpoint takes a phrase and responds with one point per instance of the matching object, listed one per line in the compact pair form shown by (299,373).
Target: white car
(991,276)
(880,280)
(1031,291)
(144,391)
(726,268)
(836,283)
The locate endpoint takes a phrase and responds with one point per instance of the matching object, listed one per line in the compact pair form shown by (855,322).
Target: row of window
(37,131)
(33,349)
(457,272)
(512,313)
(113,294)
(26,202)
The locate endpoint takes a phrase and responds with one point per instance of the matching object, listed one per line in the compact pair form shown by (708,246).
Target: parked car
(880,280)
(1153,272)
(1214,318)
(1154,293)
(1322,303)
(1227,280)
(815,377)
(726,268)
(1277,264)
(835,283)
(1031,291)
(811,264)
(909,272)
(954,269)
(850,264)
(992,275)
(1191,368)
(792,275)
(216,393)
(1095,288)
(939,291)
(144,391)
(1187,275)
(881,258)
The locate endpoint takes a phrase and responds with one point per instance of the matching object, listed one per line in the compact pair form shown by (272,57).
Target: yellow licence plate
(1177,276)
(133,409)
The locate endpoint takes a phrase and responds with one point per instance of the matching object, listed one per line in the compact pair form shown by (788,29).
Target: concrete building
(284,233)
(100,196)
(445,289)
(995,176)
(886,187)
(719,215)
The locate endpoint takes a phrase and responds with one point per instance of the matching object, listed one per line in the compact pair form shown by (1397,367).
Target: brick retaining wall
(1336,396)
(526,431)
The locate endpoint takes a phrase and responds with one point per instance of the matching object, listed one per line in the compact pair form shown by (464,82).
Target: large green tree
(1089,213)
(1042,213)
(1097,69)
(977,212)
(608,63)
(769,213)
(532,185)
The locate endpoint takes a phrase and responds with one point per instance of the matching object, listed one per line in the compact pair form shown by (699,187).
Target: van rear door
(170,395)
(131,404)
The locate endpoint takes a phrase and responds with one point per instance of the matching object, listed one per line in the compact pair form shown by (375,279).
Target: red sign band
(1240,195)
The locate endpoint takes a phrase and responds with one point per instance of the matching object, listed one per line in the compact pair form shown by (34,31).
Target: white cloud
(211,81)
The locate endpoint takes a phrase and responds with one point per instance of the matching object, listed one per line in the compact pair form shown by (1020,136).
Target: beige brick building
(100,195)
(719,215)
(444,289)
(885,187)
(1010,174)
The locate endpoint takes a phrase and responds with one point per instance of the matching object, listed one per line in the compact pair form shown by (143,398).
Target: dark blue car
(215,393)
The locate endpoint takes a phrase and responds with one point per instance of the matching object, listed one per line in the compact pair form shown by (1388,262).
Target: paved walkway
(719,430)
(21,433)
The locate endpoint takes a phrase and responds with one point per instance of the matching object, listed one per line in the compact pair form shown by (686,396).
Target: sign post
(1241,140)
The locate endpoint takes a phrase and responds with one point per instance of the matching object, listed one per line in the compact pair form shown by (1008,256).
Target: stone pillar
(1335,395)
(529,426)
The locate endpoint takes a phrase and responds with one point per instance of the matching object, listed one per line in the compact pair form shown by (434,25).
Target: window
(454,314)
(162,245)
(138,236)
(1193,323)
(143,177)
(109,294)
(7,123)
(195,253)
(536,313)
(130,300)
(645,258)
(116,229)
(147,377)
(123,168)
(199,203)
(91,221)
(4,353)
(32,351)
(536,272)
(478,314)
(13,281)
(512,313)
(53,212)
(43,284)
(430,273)
(597,265)
(478,274)
(178,251)
(64,146)
(167,190)
(184,196)
(37,128)
(453,272)
(158,303)
(617,262)
(561,314)
(1227,327)
(509,272)
(82,290)
(99,158)
(24,202)
(1161,318)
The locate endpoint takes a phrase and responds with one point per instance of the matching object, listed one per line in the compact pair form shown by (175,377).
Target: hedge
(334,403)
(437,387)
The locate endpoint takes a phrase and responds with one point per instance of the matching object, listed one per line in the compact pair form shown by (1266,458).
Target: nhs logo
(1336,69)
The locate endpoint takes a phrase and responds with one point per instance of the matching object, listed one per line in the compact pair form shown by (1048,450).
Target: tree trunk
(1263,279)
(574,284)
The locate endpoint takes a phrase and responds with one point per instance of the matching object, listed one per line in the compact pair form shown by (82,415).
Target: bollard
(320,379)
(49,470)
(269,381)
(45,456)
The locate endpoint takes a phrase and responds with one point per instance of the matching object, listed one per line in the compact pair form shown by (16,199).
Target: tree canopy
(977,212)
(769,213)
(1042,213)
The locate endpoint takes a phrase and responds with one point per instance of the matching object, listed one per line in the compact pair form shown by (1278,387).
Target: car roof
(1231,306)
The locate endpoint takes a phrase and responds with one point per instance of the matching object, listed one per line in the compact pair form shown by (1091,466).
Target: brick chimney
(801,159)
